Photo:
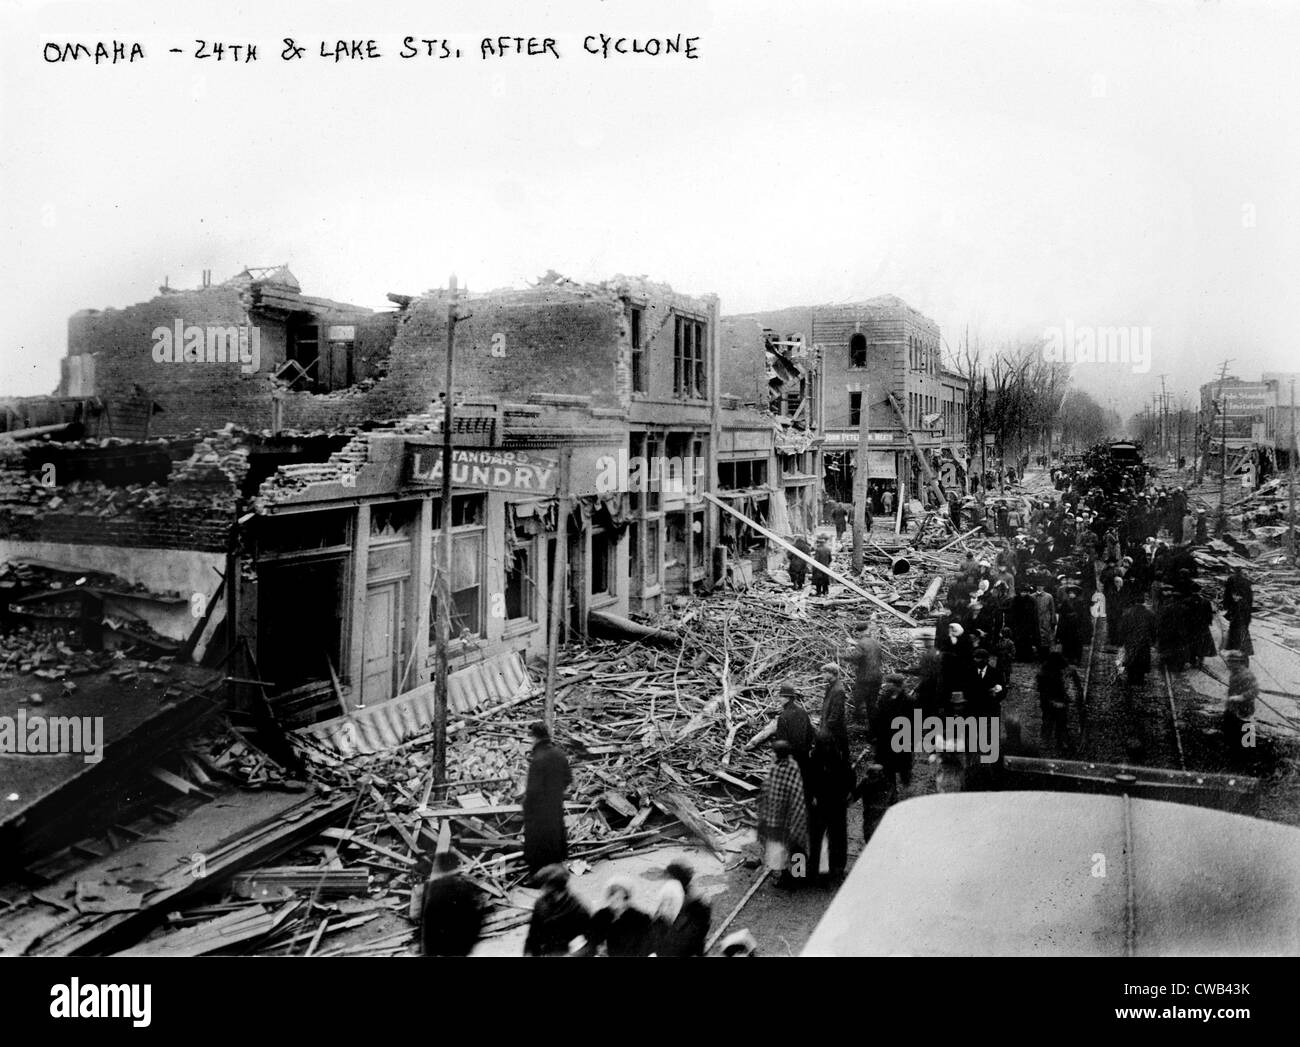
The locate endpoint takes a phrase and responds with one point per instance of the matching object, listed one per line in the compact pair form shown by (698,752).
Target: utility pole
(861,473)
(984,402)
(559,586)
(1164,419)
(1291,464)
(1179,456)
(443,634)
(1222,523)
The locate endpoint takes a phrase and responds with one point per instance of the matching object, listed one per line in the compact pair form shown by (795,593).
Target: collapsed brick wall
(192,395)
(205,396)
(559,339)
(195,510)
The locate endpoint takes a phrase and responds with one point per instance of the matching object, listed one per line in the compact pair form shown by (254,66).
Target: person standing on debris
(545,840)
(691,928)
(1238,605)
(798,567)
(840,518)
(887,501)
(622,928)
(822,554)
(558,916)
(830,786)
(833,718)
(866,670)
(451,915)
(783,817)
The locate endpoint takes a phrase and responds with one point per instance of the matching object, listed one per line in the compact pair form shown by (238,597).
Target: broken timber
(773,536)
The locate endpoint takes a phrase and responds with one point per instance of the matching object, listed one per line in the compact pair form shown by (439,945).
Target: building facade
(883,354)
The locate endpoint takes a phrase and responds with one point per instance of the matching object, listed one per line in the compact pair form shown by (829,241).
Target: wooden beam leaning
(774,537)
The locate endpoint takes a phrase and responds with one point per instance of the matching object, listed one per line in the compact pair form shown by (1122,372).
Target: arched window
(858,351)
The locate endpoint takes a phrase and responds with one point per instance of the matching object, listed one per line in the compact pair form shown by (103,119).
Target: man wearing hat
(1171,630)
(820,579)
(894,702)
(833,718)
(1137,629)
(545,840)
(984,687)
(866,656)
(794,726)
(1238,606)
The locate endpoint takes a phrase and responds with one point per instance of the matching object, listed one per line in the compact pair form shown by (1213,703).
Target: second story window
(858,351)
(689,372)
(638,354)
(855,408)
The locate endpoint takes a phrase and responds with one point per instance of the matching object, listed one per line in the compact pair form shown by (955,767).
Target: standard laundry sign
(484,470)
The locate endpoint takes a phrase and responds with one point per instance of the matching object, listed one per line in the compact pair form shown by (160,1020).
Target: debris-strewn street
(644,481)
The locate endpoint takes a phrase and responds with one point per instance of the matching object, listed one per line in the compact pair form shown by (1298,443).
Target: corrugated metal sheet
(378,727)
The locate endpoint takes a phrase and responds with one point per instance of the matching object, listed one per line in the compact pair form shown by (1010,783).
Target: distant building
(831,358)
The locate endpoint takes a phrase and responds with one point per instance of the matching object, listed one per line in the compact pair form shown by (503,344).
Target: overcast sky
(1007,166)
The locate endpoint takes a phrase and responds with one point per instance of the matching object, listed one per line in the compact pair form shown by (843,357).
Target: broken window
(689,373)
(602,561)
(742,475)
(303,348)
(466,567)
(858,351)
(521,581)
(638,354)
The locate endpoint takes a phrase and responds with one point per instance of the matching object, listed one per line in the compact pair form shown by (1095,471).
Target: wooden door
(379,656)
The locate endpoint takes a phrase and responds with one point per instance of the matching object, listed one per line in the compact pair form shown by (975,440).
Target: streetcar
(1066,874)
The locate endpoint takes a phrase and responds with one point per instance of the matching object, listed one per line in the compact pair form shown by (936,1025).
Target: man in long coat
(545,841)
(1238,605)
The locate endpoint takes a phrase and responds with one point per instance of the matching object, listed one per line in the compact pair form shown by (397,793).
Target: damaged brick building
(290,487)
(826,358)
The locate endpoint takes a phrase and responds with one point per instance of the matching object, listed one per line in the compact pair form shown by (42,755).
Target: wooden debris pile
(655,740)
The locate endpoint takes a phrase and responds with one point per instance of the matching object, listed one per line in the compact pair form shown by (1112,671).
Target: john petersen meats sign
(483,470)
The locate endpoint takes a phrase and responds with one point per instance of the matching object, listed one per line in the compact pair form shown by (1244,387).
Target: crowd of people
(1107,559)
(1109,546)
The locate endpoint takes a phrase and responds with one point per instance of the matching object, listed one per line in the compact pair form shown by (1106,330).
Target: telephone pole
(1164,418)
(861,474)
(1222,523)
(1291,465)
(442,636)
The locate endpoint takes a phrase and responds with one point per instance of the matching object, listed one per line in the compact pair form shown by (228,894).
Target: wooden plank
(847,583)
(348,836)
